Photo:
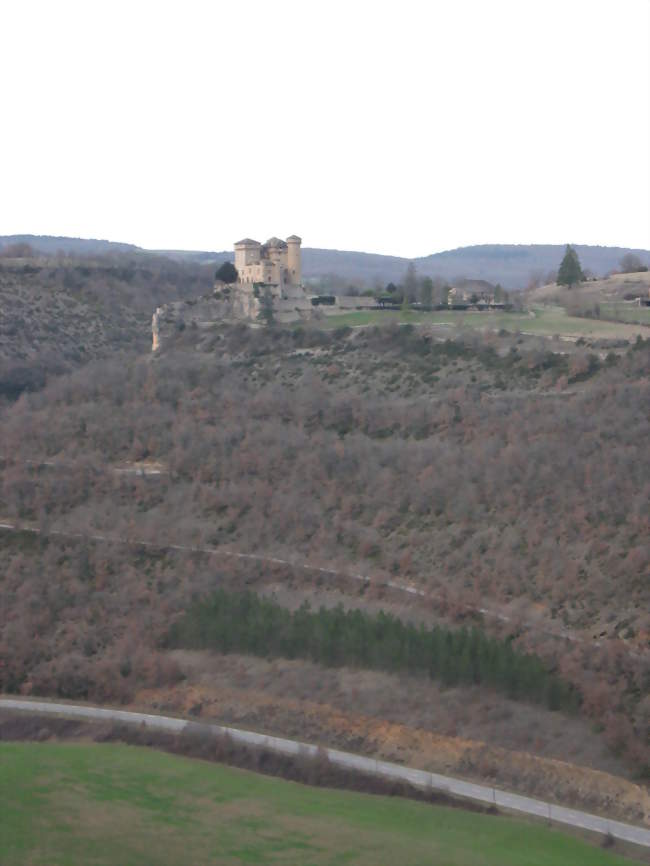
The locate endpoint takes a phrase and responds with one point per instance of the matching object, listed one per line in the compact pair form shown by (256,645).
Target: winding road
(418,778)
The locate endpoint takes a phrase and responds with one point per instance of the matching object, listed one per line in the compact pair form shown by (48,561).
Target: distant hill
(197,257)
(512,265)
(353,266)
(50,245)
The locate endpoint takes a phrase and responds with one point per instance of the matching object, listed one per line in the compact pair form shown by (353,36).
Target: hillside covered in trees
(503,481)
(59,312)
(230,622)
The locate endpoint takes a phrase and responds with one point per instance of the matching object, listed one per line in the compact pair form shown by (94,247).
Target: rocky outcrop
(201,312)
(227,303)
(243,303)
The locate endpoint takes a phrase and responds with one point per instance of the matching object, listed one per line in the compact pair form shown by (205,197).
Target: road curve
(419,778)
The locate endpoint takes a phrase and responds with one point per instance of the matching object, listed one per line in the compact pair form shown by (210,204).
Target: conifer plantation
(245,622)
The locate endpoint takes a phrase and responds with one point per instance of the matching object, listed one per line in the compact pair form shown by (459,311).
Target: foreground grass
(111,804)
(542,321)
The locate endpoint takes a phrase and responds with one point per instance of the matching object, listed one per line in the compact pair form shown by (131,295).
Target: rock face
(242,303)
(228,303)
(179,314)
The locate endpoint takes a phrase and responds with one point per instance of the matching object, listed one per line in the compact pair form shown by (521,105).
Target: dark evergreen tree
(570,272)
(227,273)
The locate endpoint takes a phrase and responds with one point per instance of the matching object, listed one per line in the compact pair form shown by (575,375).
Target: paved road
(418,778)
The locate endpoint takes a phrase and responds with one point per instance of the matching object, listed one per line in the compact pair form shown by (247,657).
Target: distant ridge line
(511,265)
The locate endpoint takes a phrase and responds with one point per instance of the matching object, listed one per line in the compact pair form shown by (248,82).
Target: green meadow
(543,321)
(65,804)
(625,312)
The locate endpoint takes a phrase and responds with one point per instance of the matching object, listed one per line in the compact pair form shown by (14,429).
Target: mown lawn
(542,321)
(74,803)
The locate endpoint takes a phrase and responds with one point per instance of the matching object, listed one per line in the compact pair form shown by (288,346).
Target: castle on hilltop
(268,274)
(275,264)
(270,270)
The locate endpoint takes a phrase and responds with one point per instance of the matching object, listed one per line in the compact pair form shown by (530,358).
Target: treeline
(245,622)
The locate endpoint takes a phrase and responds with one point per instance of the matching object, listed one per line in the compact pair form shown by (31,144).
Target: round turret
(293,259)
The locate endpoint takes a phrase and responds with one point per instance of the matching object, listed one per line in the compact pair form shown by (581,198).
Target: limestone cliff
(227,303)
(201,312)
(240,303)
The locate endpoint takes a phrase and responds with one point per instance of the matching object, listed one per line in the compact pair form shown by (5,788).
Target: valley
(467,473)
(324,426)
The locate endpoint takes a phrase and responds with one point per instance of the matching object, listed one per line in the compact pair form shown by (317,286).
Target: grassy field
(543,321)
(78,803)
(625,312)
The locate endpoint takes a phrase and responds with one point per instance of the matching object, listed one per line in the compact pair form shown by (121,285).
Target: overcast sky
(395,127)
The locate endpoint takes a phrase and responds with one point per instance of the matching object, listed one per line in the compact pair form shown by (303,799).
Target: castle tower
(293,260)
(246,253)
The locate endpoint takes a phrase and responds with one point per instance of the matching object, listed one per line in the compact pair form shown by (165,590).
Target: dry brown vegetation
(58,312)
(212,681)
(412,742)
(487,472)
(620,297)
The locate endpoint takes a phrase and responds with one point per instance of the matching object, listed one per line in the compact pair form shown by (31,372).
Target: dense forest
(492,472)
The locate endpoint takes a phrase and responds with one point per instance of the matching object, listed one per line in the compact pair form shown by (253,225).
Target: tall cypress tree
(570,271)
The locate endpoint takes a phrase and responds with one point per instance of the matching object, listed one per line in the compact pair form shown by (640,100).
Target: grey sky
(402,128)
